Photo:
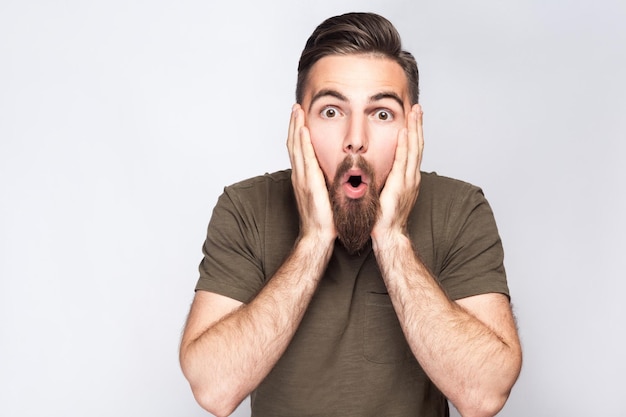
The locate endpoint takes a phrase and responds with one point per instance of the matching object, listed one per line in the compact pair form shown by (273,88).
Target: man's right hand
(227,347)
(316,216)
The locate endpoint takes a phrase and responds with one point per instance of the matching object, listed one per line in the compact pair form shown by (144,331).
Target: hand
(316,217)
(400,192)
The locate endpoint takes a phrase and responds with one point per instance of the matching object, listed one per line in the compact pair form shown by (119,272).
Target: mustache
(350,162)
(354,219)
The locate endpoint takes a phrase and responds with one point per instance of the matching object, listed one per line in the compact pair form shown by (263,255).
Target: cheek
(385,154)
(325,153)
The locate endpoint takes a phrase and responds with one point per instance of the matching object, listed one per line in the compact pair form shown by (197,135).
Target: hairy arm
(225,358)
(470,348)
(227,347)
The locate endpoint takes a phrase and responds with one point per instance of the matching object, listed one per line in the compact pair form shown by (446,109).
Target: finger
(413,157)
(400,158)
(308,153)
(420,136)
(311,164)
(297,163)
(291,131)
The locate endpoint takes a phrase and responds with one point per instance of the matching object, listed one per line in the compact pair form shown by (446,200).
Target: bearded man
(352,284)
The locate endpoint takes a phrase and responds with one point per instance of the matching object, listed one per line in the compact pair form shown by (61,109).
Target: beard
(354,218)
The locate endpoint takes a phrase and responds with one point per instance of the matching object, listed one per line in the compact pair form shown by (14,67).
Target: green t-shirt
(349,356)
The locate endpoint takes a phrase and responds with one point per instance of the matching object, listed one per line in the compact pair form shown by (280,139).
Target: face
(355,106)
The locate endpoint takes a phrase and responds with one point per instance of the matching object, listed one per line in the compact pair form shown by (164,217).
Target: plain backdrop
(121,122)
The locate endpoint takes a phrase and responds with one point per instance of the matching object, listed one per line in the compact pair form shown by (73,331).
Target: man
(352,284)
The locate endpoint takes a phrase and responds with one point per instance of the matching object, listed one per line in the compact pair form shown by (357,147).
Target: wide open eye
(329,112)
(383,115)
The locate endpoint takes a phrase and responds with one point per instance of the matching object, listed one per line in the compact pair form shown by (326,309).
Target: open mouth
(355,180)
(355,183)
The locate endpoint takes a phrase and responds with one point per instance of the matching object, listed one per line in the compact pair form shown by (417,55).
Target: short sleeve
(231,265)
(474,262)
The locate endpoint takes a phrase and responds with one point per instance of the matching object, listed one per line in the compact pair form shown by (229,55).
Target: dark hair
(356,33)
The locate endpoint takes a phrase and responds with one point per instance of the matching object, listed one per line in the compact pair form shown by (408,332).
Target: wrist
(390,241)
(316,245)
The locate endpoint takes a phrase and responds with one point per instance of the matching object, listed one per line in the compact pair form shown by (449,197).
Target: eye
(384,115)
(329,112)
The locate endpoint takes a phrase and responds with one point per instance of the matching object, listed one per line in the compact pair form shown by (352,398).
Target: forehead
(356,76)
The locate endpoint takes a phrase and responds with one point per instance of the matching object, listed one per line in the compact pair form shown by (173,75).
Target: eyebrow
(327,93)
(376,97)
(387,94)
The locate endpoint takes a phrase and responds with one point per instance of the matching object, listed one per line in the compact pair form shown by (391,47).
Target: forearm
(230,358)
(472,364)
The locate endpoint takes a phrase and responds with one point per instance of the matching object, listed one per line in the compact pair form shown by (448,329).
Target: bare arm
(226,358)
(228,348)
(469,349)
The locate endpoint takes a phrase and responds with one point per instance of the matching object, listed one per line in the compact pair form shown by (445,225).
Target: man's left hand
(400,192)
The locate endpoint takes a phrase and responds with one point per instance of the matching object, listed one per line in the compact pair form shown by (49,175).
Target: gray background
(121,121)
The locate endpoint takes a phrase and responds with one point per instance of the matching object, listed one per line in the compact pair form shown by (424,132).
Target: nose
(356,138)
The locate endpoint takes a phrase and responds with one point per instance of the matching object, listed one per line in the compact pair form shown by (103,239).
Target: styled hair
(356,33)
